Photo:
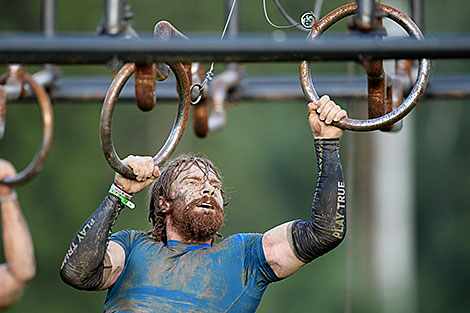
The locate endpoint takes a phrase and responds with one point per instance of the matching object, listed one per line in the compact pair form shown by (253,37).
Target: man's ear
(163,204)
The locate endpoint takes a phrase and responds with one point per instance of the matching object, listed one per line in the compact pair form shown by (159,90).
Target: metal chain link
(307,20)
(210,74)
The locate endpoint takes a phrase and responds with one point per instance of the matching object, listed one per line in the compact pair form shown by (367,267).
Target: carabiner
(196,95)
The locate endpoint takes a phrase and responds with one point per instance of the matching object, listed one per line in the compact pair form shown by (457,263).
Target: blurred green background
(266,155)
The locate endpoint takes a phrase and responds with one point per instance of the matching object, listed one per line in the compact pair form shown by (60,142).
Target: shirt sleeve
(255,260)
(125,239)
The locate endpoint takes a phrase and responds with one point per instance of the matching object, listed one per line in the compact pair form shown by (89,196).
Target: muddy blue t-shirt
(180,277)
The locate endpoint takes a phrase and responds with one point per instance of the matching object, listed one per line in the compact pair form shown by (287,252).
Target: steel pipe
(113,17)
(376,88)
(223,86)
(234,26)
(417,13)
(365,16)
(367,21)
(48,17)
(260,88)
(91,50)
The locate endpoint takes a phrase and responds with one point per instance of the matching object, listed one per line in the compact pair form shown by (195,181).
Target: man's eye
(191,183)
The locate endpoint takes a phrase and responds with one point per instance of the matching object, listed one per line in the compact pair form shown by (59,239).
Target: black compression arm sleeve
(327,226)
(82,267)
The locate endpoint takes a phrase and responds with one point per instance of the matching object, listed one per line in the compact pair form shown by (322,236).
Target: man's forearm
(20,266)
(83,265)
(327,226)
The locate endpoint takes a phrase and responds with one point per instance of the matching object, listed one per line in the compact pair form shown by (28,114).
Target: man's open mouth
(205,206)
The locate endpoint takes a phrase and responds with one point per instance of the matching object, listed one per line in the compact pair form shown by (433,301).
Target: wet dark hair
(161,187)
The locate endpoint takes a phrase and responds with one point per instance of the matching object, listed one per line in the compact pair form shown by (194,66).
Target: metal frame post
(234,26)
(417,13)
(113,17)
(365,16)
(48,17)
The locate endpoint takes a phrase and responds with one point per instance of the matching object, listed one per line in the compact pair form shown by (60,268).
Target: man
(176,267)
(20,266)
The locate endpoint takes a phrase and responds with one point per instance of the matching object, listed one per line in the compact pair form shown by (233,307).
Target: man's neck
(173,234)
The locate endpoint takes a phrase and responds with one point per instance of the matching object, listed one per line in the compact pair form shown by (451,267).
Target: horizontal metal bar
(259,88)
(100,50)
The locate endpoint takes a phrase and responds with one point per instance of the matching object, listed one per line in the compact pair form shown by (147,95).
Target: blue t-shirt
(180,277)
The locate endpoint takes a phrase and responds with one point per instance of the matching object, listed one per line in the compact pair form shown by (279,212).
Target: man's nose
(208,190)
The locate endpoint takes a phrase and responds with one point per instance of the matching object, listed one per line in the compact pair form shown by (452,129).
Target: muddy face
(197,204)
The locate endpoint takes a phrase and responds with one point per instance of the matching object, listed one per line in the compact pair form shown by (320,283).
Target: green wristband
(119,193)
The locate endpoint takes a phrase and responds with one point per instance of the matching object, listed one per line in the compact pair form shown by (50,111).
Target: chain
(210,73)
(307,20)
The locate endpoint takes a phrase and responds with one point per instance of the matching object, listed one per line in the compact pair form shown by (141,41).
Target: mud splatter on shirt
(180,277)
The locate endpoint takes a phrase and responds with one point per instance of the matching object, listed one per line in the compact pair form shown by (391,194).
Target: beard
(194,224)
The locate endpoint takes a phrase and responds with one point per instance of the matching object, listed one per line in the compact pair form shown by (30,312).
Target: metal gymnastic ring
(112,95)
(47,123)
(415,94)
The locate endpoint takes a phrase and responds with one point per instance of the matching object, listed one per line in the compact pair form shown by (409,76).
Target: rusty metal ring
(182,83)
(415,94)
(47,123)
